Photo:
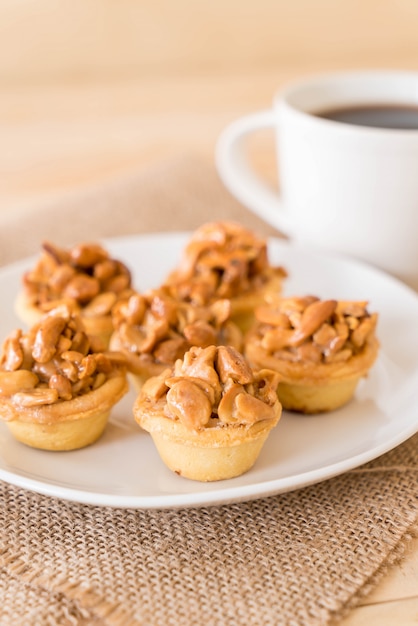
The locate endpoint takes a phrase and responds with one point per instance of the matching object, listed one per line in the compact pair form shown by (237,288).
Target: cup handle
(241,179)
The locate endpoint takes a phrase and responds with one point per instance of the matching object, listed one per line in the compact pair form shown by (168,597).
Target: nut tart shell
(99,326)
(67,424)
(211,454)
(308,387)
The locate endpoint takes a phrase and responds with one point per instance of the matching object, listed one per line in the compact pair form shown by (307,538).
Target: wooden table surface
(64,137)
(62,129)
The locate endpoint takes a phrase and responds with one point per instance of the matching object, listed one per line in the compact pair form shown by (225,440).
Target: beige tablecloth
(302,558)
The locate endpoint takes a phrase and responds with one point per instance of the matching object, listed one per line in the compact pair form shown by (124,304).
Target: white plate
(123,469)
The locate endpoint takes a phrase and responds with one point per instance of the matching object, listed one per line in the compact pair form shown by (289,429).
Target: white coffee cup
(343,187)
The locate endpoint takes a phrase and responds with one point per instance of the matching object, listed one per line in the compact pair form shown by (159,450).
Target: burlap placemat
(302,558)
(179,194)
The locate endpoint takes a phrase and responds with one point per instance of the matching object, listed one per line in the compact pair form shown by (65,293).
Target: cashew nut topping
(310,329)
(54,361)
(155,326)
(221,260)
(214,387)
(84,276)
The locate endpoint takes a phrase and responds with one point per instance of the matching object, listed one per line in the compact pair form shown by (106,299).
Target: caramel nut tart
(320,348)
(153,330)
(226,260)
(84,277)
(55,392)
(210,414)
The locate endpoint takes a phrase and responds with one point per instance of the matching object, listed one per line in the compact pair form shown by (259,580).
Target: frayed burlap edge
(89,604)
(394,558)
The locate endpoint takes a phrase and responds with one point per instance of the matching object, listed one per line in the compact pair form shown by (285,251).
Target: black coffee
(375,115)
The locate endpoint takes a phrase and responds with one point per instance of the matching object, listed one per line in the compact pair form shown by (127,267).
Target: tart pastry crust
(55,392)
(210,415)
(320,348)
(226,260)
(84,278)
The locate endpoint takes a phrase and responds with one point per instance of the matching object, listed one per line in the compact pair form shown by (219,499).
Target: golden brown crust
(154,420)
(80,407)
(60,436)
(305,373)
(209,463)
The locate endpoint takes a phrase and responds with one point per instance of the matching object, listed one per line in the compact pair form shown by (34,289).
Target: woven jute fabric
(300,558)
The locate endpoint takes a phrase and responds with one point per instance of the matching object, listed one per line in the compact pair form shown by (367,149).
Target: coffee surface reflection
(393,116)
